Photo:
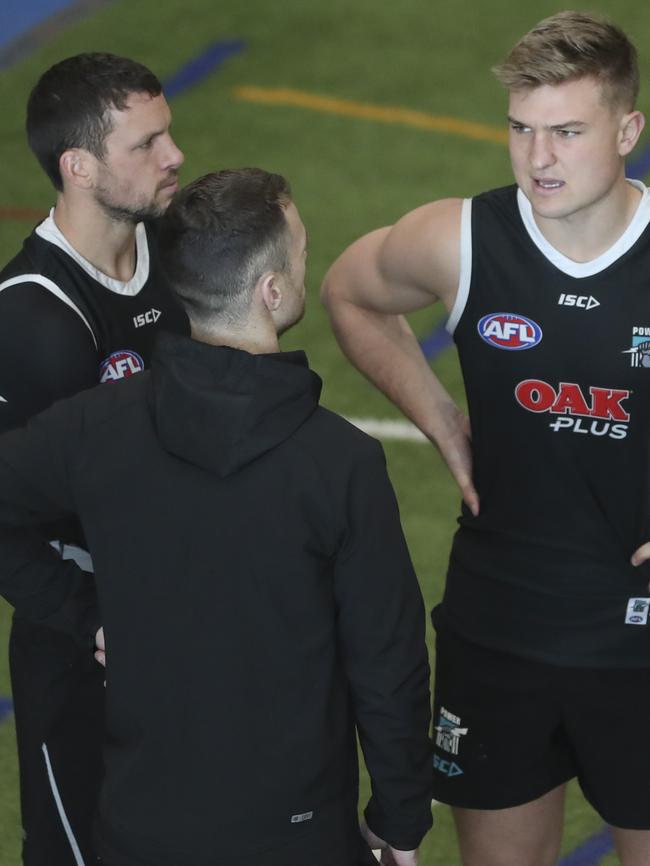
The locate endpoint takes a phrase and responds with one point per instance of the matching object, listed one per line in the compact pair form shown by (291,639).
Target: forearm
(383,347)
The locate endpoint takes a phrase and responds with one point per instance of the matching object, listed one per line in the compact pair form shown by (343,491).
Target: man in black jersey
(267,569)
(543,645)
(80,304)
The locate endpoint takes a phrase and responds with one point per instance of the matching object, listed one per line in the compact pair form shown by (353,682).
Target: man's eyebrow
(149,136)
(574,123)
(569,123)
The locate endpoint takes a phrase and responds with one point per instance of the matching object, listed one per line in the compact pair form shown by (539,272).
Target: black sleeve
(382,633)
(35,488)
(46,353)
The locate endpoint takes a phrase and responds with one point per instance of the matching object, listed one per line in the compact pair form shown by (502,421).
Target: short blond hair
(573,45)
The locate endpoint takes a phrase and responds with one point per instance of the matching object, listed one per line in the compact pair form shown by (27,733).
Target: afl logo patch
(509,331)
(120,365)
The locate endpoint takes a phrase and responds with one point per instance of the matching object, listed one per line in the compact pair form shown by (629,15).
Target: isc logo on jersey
(509,331)
(120,365)
(593,414)
(148,318)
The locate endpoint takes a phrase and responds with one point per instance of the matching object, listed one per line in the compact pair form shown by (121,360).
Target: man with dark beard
(80,304)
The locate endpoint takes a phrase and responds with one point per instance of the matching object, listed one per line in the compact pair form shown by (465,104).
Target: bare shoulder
(423,249)
(404,267)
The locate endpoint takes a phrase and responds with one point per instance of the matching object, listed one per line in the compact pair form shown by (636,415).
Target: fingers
(641,554)
(100,656)
(470,498)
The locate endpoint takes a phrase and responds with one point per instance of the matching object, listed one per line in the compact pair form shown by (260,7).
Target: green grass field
(349,175)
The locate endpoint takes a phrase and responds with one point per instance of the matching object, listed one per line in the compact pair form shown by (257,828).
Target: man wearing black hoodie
(260,609)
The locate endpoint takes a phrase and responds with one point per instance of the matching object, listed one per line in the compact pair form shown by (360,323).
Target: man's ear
(74,165)
(270,290)
(631,128)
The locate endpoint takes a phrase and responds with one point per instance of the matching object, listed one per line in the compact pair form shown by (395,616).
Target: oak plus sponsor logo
(596,411)
(509,331)
(639,350)
(148,318)
(120,365)
(582,302)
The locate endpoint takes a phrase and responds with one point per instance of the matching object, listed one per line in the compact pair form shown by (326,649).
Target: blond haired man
(542,631)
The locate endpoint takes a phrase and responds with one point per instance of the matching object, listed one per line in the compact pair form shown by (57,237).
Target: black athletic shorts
(508,730)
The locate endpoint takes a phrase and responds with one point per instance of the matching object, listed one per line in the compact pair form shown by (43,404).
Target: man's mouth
(170,183)
(548,183)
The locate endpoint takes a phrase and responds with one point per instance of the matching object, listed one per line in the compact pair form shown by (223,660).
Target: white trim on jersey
(578,270)
(55,290)
(49,231)
(71,551)
(465,277)
(76,853)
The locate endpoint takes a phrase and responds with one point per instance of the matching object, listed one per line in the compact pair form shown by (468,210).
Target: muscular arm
(46,353)
(383,275)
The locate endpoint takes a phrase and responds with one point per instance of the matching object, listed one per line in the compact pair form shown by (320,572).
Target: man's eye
(567,133)
(518,127)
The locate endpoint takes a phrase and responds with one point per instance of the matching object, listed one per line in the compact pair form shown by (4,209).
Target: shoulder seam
(51,287)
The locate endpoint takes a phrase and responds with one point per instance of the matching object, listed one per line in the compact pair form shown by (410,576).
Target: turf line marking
(381,428)
(19,214)
(437,341)
(367,111)
(36,22)
(6,708)
(592,850)
(201,67)
(640,166)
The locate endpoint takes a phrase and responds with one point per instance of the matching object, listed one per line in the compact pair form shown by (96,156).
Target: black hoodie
(258,601)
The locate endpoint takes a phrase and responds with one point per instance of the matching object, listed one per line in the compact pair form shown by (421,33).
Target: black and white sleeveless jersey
(65,326)
(556,361)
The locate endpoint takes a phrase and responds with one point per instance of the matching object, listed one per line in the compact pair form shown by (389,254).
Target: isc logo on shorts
(120,365)
(509,331)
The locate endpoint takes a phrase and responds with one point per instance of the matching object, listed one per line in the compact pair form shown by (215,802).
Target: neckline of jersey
(630,236)
(49,231)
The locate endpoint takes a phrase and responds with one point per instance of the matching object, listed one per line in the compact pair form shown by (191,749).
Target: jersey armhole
(53,289)
(465,277)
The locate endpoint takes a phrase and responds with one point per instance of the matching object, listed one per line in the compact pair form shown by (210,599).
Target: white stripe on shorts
(78,859)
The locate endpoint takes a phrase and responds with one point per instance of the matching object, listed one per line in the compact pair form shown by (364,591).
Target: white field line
(404,431)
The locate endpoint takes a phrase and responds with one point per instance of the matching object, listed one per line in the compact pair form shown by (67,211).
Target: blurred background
(370,108)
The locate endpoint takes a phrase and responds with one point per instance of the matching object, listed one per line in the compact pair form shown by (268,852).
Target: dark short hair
(219,235)
(71,103)
(572,45)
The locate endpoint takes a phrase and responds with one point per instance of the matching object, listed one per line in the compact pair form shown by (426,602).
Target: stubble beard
(128,213)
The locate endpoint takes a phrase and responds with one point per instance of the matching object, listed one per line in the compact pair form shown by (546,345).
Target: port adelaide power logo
(639,351)
(509,331)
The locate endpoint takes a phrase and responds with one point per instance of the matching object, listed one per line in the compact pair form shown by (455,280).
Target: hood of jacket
(221,408)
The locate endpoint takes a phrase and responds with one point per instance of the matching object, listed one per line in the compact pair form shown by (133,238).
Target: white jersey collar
(629,237)
(49,231)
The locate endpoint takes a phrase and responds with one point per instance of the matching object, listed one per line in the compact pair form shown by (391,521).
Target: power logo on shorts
(448,734)
(593,414)
(120,365)
(509,331)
